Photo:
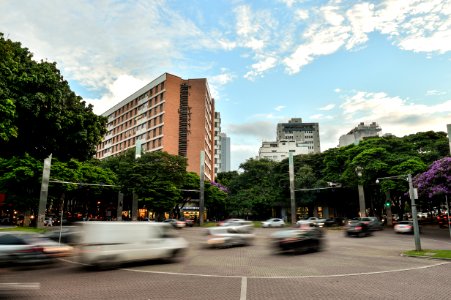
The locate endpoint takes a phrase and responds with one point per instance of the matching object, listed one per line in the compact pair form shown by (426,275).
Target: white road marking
(287,277)
(243,288)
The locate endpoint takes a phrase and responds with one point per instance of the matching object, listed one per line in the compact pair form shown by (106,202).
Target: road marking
(243,288)
(287,277)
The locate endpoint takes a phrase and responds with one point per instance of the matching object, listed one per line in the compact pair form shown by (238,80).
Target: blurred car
(67,235)
(357,228)
(372,222)
(332,222)
(301,239)
(273,222)
(25,248)
(188,222)
(176,223)
(442,220)
(228,222)
(230,236)
(405,227)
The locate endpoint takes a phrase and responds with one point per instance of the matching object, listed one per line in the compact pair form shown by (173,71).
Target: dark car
(298,240)
(373,223)
(442,221)
(334,222)
(357,228)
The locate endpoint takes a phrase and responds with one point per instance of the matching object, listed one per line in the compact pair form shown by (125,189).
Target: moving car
(176,223)
(29,248)
(312,220)
(301,239)
(332,222)
(228,222)
(230,236)
(405,227)
(357,228)
(108,244)
(372,222)
(442,220)
(273,222)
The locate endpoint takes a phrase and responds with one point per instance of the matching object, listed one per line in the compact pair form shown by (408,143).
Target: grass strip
(430,253)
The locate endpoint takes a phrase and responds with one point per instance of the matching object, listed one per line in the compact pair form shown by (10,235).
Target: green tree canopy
(39,114)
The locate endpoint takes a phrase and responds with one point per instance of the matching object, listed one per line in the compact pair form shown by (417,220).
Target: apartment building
(295,136)
(359,133)
(169,114)
(305,134)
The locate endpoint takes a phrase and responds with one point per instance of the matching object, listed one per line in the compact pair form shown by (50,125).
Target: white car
(405,227)
(273,222)
(230,236)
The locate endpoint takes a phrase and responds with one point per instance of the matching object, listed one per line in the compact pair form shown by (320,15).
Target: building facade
(359,133)
(305,134)
(296,137)
(225,152)
(169,114)
(279,150)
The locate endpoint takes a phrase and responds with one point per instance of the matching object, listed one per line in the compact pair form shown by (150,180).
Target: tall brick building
(169,114)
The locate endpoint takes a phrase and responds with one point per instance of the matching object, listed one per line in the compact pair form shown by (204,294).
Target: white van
(108,244)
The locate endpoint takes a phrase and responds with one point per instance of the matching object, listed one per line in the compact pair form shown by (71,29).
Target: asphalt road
(347,268)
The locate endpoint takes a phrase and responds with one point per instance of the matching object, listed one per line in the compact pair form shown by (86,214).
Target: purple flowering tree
(436,180)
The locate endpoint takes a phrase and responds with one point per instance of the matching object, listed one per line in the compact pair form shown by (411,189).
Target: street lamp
(359,172)
(412,195)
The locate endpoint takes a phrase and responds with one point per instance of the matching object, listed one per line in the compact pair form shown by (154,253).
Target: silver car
(230,236)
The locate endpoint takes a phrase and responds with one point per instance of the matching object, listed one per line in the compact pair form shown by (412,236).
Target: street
(347,268)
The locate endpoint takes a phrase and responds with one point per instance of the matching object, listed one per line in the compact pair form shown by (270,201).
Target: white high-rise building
(296,137)
(225,153)
(359,133)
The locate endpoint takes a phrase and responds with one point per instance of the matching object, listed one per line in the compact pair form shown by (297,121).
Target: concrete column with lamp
(362,208)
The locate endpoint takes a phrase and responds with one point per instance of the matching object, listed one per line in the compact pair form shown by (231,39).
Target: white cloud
(280,107)
(260,67)
(121,88)
(337,90)
(394,114)
(435,93)
(327,107)
(217,82)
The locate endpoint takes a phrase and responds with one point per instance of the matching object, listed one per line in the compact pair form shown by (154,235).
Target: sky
(337,63)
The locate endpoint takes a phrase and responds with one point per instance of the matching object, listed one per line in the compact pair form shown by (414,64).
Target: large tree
(39,114)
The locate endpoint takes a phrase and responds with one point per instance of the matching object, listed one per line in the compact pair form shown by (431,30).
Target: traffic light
(387,204)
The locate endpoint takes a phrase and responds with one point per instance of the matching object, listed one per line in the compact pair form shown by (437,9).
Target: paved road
(347,268)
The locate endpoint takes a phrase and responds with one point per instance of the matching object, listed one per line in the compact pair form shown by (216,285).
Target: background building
(359,133)
(169,114)
(295,137)
(305,134)
(278,151)
(217,145)
(225,153)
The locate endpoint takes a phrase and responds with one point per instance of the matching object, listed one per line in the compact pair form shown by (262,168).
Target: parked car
(108,244)
(176,223)
(405,227)
(357,228)
(312,220)
(230,236)
(273,222)
(301,239)
(373,223)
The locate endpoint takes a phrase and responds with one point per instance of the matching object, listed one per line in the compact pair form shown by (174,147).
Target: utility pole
(416,229)
(292,195)
(201,200)
(44,192)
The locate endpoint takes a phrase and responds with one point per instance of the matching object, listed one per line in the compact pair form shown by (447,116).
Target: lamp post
(359,172)
(412,195)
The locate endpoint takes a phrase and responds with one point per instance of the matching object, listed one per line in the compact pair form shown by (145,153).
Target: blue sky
(335,62)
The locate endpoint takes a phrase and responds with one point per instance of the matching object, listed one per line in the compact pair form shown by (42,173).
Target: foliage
(156,177)
(436,180)
(41,113)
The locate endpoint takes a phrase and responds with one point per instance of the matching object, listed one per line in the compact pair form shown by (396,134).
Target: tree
(41,113)
(156,177)
(436,180)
